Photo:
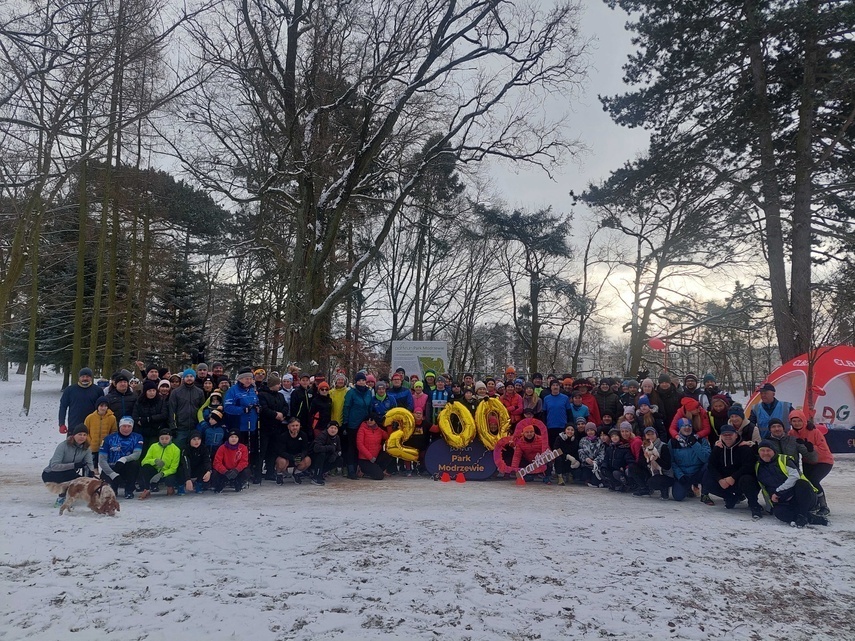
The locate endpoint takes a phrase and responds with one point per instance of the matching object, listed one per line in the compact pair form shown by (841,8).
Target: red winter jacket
(369,441)
(514,405)
(527,450)
(813,436)
(593,407)
(231,459)
(635,445)
(704,432)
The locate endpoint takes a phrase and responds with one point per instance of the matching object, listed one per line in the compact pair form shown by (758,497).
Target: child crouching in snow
(230,464)
(615,462)
(591,453)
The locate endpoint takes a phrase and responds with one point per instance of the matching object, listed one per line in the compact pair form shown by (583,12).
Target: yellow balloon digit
(467,425)
(395,447)
(404,418)
(486,408)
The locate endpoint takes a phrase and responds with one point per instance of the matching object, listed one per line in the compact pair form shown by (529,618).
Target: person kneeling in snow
(789,493)
(591,452)
(197,464)
(326,453)
(616,462)
(567,442)
(160,464)
(119,457)
(373,461)
(526,449)
(231,464)
(292,450)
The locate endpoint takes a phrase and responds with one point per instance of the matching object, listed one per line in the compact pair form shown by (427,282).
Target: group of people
(199,430)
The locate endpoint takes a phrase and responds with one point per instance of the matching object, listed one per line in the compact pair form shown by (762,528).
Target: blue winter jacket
(238,399)
(115,446)
(685,461)
(579,412)
(357,407)
(403,397)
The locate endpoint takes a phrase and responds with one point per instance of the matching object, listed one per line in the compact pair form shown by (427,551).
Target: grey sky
(609,145)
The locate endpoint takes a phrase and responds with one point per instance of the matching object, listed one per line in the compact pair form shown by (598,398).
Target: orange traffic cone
(460,478)
(520,480)
(445,478)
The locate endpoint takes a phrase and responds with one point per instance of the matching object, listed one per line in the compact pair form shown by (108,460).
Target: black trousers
(323,462)
(377,470)
(801,503)
(266,453)
(128,474)
(252,440)
(219,480)
(59,477)
(147,472)
(816,472)
(348,446)
(747,485)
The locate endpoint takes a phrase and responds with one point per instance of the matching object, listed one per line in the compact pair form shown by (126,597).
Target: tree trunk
(34,316)
(800,257)
(781,312)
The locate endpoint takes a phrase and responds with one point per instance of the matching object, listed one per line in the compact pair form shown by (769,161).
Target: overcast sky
(609,145)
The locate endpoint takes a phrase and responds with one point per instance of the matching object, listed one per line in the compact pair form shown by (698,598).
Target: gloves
(569,457)
(156,478)
(63,429)
(123,460)
(79,465)
(159,464)
(373,459)
(574,463)
(231,475)
(808,445)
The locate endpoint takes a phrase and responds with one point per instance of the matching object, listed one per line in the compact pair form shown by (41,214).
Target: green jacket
(170,455)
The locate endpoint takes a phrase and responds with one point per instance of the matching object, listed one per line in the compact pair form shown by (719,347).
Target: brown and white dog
(99,495)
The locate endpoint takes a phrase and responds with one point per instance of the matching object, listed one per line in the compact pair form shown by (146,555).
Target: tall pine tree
(239,346)
(177,316)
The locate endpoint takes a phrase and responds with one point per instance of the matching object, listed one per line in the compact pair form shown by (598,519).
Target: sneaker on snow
(729,504)
(59,501)
(298,477)
(663,495)
(560,479)
(823,511)
(181,490)
(641,492)
(706,500)
(280,480)
(800,521)
(318,481)
(817,519)
(757,513)
(154,489)
(129,495)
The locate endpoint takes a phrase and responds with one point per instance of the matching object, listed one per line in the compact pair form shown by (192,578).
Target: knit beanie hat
(189,372)
(664,377)
(149,384)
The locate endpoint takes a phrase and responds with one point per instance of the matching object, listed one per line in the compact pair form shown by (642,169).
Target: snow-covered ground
(406,558)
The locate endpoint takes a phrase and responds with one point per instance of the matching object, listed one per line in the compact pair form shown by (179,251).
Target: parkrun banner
(417,356)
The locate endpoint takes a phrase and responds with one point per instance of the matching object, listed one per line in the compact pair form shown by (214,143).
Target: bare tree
(327,109)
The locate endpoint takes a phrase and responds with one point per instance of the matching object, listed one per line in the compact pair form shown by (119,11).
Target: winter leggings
(59,477)
(683,485)
(803,501)
(816,472)
(384,463)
